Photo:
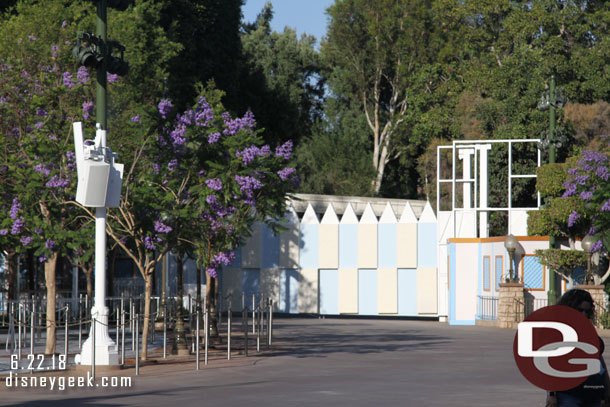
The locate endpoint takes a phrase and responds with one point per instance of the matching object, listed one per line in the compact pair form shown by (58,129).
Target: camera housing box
(99,177)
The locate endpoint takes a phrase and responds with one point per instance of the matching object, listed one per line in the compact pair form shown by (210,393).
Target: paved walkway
(324,362)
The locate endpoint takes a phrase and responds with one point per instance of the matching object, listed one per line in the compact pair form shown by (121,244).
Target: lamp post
(510,243)
(586,243)
(551,99)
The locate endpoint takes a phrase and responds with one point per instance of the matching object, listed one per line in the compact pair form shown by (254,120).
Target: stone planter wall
(511,305)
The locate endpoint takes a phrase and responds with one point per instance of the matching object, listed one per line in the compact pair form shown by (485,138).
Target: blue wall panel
(533,274)
(289,291)
(237,261)
(386,245)
(270,248)
(407,292)
(426,245)
(329,291)
(498,269)
(367,292)
(251,283)
(348,246)
(308,255)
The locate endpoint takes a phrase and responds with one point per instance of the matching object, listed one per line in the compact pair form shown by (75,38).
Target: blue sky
(305,16)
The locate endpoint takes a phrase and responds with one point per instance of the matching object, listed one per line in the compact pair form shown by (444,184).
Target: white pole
(483,191)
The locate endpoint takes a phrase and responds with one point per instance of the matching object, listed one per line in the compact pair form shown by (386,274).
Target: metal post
(93,323)
(137,344)
(270,328)
(229,331)
(122,336)
(207,334)
(67,333)
(19,331)
(197,342)
(165,332)
(244,316)
(253,313)
(32,332)
(133,338)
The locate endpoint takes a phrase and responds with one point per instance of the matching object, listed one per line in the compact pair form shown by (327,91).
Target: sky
(305,16)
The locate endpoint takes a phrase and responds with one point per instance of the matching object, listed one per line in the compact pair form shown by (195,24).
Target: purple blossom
(172,165)
(71,160)
(212,272)
(136,119)
(285,150)
(224,258)
(214,183)
(160,227)
(57,182)
(570,189)
(41,113)
(594,156)
(201,173)
(285,173)
(606,206)
(213,138)
(178,134)
(67,78)
(42,169)
(235,125)
(64,24)
(573,171)
(26,240)
(17,226)
(42,259)
(573,218)
(156,168)
(82,75)
(87,109)
(37,231)
(203,114)
(149,242)
(49,244)
(32,38)
(602,172)
(586,195)
(54,50)
(39,125)
(596,246)
(52,137)
(165,107)
(248,183)
(211,199)
(111,77)
(3,232)
(15,208)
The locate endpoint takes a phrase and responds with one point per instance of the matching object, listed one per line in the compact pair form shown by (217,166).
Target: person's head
(580,300)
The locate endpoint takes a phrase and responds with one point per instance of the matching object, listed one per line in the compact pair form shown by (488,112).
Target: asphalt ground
(321,362)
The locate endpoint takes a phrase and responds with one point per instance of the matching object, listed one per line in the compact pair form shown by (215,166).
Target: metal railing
(488,308)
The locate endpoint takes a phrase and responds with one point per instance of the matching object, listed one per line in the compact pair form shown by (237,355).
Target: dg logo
(556,348)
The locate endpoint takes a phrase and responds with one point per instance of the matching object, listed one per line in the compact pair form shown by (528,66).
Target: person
(595,391)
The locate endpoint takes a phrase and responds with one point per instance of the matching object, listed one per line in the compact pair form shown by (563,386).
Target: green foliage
(563,261)
(550,179)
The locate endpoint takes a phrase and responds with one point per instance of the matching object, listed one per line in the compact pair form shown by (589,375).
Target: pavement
(321,362)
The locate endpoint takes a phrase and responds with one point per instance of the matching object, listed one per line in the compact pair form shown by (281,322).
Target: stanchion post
(19,332)
(33,318)
(253,313)
(122,336)
(197,342)
(165,332)
(229,331)
(137,344)
(246,329)
(207,334)
(93,324)
(67,333)
(131,325)
(270,327)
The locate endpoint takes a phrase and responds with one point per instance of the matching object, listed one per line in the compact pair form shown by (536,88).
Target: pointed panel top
(408,215)
(388,215)
(349,216)
(427,216)
(330,216)
(291,215)
(368,216)
(310,216)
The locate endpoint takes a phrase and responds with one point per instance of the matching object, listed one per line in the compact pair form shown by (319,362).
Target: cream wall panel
(308,291)
(348,291)
(270,285)
(427,291)
(329,246)
(407,245)
(289,248)
(466,281)
(251,251)
(387,290)
(367,246)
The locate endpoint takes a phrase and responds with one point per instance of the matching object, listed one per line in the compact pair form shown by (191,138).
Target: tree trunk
(211,288)
(179,345)
(147,296)
(11,272)
(49,274)
(89,275)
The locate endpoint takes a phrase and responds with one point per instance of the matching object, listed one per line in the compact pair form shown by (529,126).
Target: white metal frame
(461,144)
